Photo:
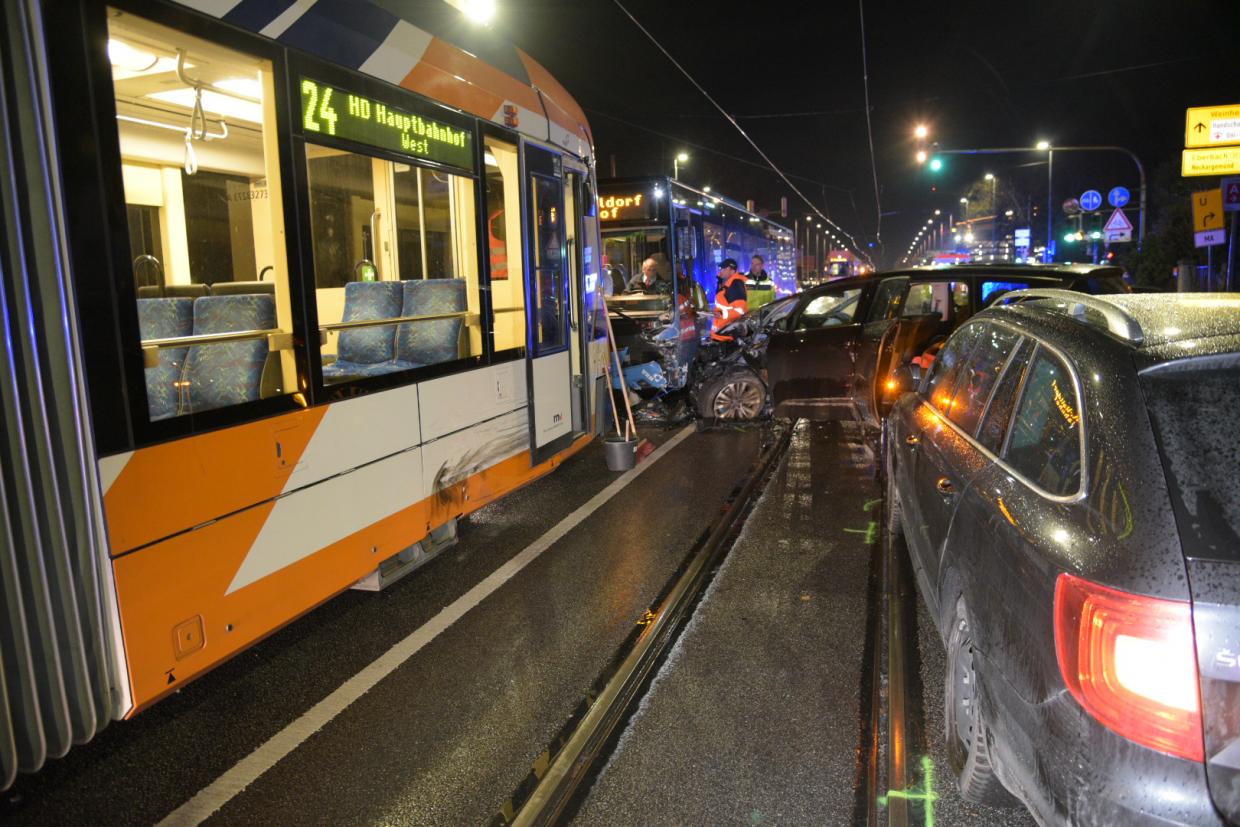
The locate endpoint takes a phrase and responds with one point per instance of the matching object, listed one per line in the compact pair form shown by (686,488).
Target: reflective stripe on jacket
(731,302)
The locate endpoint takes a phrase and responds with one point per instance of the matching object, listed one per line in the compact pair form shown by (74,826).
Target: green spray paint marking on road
(924,793)
(870,532)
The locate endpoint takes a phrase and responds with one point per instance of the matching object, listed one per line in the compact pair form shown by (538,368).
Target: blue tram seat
(366,351)
(437,340)
(224,374)
(165,319)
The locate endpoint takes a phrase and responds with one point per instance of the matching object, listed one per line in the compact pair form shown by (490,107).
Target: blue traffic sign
(1118,197)
(1091,200)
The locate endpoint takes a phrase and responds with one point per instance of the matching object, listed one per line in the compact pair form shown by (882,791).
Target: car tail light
(1129,660)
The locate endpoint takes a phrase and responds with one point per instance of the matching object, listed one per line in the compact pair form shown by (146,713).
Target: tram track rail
(563,773)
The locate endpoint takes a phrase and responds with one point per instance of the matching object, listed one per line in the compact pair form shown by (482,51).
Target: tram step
(397,566)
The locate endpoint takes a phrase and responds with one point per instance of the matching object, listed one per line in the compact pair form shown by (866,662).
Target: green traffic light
(936,164)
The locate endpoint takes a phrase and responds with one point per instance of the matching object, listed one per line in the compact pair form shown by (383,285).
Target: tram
(688,232)
(288,289)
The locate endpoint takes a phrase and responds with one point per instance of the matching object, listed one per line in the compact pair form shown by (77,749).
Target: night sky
(978,74)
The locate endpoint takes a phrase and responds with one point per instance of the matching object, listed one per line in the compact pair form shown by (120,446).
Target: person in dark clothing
(757,271)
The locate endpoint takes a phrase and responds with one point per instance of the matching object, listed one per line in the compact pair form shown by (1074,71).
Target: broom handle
(624,387)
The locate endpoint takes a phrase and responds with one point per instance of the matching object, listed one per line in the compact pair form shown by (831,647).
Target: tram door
(547,305)
(582,233)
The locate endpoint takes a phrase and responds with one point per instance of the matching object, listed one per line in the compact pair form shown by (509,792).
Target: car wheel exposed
(736,396)
(968,739)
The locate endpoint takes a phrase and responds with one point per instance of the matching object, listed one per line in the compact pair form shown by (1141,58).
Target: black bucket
(621,453)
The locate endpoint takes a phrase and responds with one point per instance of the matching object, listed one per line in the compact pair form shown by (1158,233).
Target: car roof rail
(1119,322)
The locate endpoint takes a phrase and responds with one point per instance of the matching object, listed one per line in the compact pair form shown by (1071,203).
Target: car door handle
(945,486)
(912,439)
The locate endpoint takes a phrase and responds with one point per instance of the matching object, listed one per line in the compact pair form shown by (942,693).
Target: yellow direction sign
(1212,125)
(1222,161)
(1208,210)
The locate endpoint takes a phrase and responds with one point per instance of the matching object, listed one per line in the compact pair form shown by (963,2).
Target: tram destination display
(338,113)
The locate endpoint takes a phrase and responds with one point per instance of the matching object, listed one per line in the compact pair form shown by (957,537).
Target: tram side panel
(226,573)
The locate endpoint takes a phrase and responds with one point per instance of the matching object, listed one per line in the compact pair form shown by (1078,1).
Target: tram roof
(673,185)
(430,49)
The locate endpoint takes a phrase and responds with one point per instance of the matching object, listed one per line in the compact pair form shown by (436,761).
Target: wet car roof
(1160,326)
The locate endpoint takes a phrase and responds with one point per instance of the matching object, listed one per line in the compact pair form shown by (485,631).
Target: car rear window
(1045,443)
(1193,407)
(979,374)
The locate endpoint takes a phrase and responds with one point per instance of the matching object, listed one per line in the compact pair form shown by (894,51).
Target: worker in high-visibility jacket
(732,300)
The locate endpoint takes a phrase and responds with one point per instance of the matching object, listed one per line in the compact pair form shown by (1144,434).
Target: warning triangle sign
(1117,221)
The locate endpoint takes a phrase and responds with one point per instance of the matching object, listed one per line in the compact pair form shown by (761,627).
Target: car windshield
(775,311)
(1192,405)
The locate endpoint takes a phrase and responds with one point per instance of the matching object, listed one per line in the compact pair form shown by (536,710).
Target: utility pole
(1050,206)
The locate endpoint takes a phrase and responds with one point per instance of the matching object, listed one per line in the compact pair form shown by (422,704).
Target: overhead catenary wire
(730,119)
(712,150)
(869,127)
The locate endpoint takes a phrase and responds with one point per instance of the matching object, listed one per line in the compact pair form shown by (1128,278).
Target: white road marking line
(215,795)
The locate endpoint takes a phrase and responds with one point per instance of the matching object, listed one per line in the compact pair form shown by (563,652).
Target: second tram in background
(687,232)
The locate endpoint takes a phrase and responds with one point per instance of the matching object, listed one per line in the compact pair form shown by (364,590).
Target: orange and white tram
(287,289)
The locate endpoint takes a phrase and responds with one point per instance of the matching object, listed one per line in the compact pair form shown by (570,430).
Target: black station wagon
(1067,479)
(826,351)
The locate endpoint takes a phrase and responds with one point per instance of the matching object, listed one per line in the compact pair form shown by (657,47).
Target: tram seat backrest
(165,318)
(233,288)
(435,340)
(228,373)
(366,351)
(179,291)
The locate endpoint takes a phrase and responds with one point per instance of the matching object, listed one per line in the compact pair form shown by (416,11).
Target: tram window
(504,223)
(392,242)
(197,129)
(548,288)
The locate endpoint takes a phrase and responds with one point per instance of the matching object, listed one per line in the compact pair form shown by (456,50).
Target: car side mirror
(901,380)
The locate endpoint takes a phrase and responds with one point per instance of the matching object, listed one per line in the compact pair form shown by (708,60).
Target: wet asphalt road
(756,717)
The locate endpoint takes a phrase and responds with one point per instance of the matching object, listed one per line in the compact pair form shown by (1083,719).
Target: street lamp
(681,158)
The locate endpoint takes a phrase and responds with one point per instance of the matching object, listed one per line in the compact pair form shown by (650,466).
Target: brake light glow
(1129,660)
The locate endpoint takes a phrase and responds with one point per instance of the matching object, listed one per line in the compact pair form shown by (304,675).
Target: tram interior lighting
(480,11)
(223,105)
(490,160)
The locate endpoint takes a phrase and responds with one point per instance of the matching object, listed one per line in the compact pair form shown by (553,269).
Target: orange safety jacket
(731,302)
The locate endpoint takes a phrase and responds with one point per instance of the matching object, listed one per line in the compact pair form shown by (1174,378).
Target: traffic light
(936,164)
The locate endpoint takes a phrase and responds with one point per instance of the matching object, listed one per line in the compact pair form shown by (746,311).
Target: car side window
(941,383)
(926,298)
(1044,444)
(829,309)
(979,373)
(887,300)
(999,414)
